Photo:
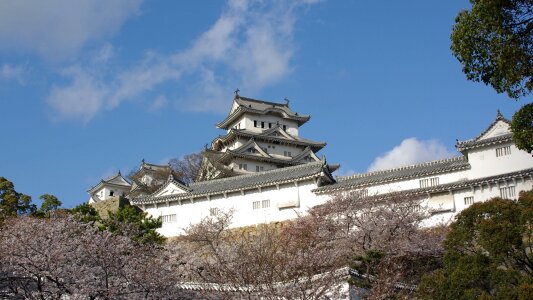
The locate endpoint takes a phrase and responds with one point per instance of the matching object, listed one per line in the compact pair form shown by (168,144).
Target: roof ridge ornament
(499,115)
(286,101)
(237,93)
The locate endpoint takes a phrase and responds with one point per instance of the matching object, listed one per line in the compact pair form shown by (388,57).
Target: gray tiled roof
(113,180)
(457,185)
(238,183)
(261,107)
(397,174)
(478,142)
(471,144)
(290,161)
(316,146)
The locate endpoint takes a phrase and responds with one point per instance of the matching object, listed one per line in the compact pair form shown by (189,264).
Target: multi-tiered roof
(260,136)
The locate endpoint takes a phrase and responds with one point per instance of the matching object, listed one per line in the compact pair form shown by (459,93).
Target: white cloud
(158,103)
(80,100)
(57,29)
(249,46)
(14,72)
(410,151)
(104,54)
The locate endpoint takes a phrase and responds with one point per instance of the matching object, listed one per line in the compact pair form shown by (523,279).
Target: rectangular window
(255,123)
(502,151)
(284,127)
(469,200)
(507,192)
(213,211)
(269,125)
(359,193)
(287,153)
(429,182)
(256,204)
(169,218)
(258,168)
(262,124)
(265,203)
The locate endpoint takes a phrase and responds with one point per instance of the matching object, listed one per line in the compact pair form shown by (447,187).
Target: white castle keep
(265,172)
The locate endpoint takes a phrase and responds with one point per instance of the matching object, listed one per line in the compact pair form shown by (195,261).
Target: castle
(265,172)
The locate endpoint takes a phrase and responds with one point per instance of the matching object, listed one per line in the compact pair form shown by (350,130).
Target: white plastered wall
(241,203)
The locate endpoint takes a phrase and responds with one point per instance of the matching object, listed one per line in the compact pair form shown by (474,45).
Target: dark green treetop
(522,128)
(488,253)
(13,203)
(494,43)
(134,223)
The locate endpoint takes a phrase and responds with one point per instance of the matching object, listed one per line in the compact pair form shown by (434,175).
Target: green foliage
(13,203)
(488,253)
(494,43)
(85,213)
(367,266)
(50,202)
(49,205)
(134,223)
(522,128)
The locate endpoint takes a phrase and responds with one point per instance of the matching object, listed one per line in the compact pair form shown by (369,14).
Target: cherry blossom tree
(60,257)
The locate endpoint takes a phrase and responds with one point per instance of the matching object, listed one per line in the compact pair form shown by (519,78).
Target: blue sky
(89,87)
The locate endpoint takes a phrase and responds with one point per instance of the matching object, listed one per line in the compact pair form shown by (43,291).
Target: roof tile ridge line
(244,176)
(428,163)
(238,109)
(265,136)
(261,101)
(456,183)
(474,143)
(268,182)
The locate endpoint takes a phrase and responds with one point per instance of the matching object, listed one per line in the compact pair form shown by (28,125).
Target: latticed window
(507,192)
(256,204)
(502,151)
(265,203)
(469,200)
(429,182)
(169,218)
(213,211)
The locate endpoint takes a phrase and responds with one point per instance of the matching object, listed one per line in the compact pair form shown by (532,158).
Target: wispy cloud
(410,151)
(158,103)
(14,72)
(249,46)
(58,29)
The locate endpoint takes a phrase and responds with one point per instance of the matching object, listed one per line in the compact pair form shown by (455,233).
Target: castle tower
(260,136)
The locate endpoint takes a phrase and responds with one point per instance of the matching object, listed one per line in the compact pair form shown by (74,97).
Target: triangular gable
(234,106)
(499,127)
(171,187)
(251,144)
(307,151)
(278,131)
(118,180)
